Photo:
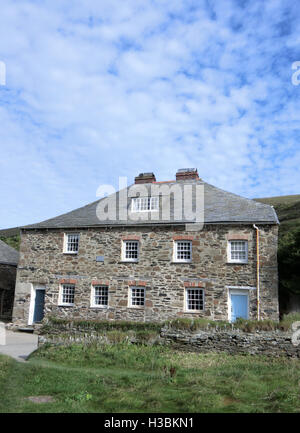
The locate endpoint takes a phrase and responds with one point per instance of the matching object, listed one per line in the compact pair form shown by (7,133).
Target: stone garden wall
(271,343)
(234,341)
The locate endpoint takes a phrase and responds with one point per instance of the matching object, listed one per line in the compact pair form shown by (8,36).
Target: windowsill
(137,307)
(193,311)
(99,307)
(128,261)
(144,211)
(182,263)
(71,253)
(66,305)
(237,263)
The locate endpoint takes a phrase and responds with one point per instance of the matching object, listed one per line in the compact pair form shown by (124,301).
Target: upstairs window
(183,251)
(144,204)
(194,299)
(71,243)
(137,298)
(99,296)
(130,251)
(67,293)
(238,251)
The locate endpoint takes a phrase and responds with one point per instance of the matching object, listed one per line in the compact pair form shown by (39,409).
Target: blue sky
(101,89)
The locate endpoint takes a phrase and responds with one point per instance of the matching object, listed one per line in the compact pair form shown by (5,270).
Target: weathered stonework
(234,342)
(42,262)
(268,343)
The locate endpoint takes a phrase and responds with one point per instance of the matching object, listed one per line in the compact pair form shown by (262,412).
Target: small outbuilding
(9,258)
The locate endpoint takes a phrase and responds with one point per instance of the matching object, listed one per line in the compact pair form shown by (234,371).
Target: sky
(95,90)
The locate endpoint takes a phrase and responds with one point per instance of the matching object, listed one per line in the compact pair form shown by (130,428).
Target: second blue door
(239,307)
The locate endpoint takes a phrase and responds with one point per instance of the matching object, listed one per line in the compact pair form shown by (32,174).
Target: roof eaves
(9,263)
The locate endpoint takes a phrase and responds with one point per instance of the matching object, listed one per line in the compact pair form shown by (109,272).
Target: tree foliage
(12,241)
(289,261)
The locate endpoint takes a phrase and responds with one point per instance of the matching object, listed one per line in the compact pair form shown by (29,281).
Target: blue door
(39,305)
(239,307)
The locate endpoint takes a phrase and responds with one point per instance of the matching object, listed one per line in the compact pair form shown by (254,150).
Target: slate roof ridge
(8,255)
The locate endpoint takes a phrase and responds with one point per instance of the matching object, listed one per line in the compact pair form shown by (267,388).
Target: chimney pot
(145,178)
(187,174)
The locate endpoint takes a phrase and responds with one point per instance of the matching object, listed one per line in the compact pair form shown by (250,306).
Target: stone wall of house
(7,289)
(43,262)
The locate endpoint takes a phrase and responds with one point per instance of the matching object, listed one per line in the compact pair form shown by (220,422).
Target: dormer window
(144,204)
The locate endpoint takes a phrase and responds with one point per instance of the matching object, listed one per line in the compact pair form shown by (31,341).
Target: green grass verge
(129,378)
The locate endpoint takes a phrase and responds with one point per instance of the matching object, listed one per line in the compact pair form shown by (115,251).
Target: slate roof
(219,207)
(8,255)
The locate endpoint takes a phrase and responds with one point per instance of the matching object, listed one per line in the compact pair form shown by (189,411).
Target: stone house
(9,258)
(151,252)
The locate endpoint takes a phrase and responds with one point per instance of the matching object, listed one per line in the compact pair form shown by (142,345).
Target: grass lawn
(129,378)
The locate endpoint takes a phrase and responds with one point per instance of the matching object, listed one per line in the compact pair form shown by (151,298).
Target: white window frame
(130,296)
(123,257)
(93,296)
(175,251)
(60,296)
(186,299)
(66,241)
(229,258)
(153,204)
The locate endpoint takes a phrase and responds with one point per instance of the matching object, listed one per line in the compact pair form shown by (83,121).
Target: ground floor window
(137,297)
(67,294)
(194,299)
(99,296)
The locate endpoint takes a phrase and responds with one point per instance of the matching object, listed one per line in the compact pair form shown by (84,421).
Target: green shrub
(195,324)
(116,336)
(100,325)
(255,325)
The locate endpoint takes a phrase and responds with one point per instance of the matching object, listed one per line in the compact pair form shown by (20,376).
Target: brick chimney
(187,174)
(145,178)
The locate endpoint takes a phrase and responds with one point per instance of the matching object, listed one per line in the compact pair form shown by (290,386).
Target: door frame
(242,291)
(34,288)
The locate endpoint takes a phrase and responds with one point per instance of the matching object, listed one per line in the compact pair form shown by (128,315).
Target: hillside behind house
(287,208)
(288,211)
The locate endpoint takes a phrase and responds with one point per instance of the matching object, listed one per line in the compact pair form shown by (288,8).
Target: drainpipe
(257,270)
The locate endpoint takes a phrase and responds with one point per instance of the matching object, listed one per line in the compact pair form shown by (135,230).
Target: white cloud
(101,89)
